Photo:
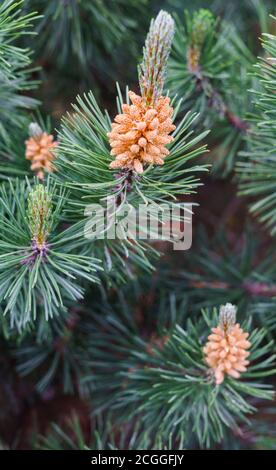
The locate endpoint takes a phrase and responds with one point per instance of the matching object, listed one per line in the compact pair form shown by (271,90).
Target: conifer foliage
(210,66)
(138,342)
(15,62)
(257,165)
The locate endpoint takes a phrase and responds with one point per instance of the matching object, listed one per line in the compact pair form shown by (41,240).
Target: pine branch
(38,265)
(165,384)
(219,270)
(154,173)
(73,437)
(208,60)
(156,377)
(63,36)
(15,77)
(257,164)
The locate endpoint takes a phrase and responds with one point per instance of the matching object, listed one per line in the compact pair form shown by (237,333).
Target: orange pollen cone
(226,352)
(139,135)
(39,150)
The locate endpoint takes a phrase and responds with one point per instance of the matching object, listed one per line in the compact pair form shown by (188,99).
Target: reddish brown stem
(251,288)
(217,102)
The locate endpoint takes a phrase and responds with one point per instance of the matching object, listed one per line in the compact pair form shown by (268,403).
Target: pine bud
(227,317)
(155,56)
(202,24)
(39,215)
(35,130)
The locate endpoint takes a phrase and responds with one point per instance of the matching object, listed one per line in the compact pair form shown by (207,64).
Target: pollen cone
(226,352)
(140,134)
(39,150)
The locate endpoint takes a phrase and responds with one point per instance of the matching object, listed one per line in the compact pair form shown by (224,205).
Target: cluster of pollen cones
(39,150)
(225,352)
(140,133)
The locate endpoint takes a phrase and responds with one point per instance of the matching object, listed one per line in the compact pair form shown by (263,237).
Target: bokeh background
(82,45)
